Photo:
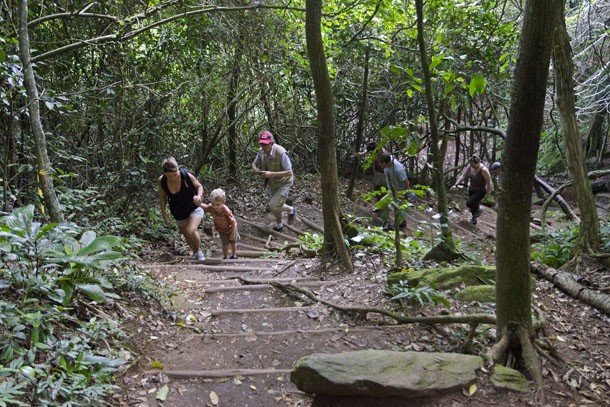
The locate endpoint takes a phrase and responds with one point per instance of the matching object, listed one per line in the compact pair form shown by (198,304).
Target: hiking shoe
(278,228)
(234,257)
(291,216)
(473,220)
(200,256)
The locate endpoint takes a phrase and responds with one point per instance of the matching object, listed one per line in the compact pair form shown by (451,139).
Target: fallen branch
(292,263)
(568,284)
(553,194)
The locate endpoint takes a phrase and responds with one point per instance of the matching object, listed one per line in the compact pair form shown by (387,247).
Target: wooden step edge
(226,311)
(346,330)
(211,374)
(254,287)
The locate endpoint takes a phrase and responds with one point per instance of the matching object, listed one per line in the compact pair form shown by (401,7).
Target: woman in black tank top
(183,192)
(479,184)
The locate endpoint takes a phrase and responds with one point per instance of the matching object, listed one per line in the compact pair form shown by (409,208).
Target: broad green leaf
(92,291)
(87,238)
(477,84)
(100,244)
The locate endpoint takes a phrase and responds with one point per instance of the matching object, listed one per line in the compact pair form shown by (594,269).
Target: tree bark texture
(232,107)
(362,106)
(44,167)
(327,146)
(513,295)
(437,159)
(589,233)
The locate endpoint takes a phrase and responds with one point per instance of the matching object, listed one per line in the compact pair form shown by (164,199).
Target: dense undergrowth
(59,344)
(556,248)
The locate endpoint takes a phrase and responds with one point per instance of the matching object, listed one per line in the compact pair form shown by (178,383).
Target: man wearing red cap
(272,163)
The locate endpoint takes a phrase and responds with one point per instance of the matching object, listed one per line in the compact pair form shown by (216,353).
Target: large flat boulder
(380,373)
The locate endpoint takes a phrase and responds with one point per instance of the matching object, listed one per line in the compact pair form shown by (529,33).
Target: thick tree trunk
(437,159)
(589,234)
(513,296)
(362,106)
(44,167)
(327,146)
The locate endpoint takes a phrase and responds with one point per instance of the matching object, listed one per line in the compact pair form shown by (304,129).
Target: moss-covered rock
(473,283)
(480,293)
(382,373)
(507,378)
(446,278)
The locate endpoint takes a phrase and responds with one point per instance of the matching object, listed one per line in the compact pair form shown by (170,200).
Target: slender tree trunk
(232,107)
(595,138)
(10,154)
(327,146)
(437,160)
(589,235)
(44,167)
(362,107)
(513,296)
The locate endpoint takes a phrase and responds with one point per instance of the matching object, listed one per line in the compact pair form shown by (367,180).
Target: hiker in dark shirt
(480,184)
(183,192)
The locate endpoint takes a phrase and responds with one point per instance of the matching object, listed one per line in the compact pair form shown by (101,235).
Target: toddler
(224,222)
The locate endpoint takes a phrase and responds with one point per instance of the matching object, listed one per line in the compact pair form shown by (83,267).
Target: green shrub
(48,356)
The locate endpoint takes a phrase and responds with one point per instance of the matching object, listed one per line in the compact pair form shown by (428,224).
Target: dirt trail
(241,336)
(236,336)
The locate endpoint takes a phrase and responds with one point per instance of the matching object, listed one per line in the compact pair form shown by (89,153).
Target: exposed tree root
(496,354)
(529,355)
(503,352)
(399,318)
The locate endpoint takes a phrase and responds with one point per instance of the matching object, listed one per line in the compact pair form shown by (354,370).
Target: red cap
(266,138)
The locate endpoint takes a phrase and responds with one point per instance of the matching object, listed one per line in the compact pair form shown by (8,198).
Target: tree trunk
(437,159)
(10,155)
(362,106)
(327,146)
(595,138)
(232,108)
(589,234)
(44,167)
(513,296)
